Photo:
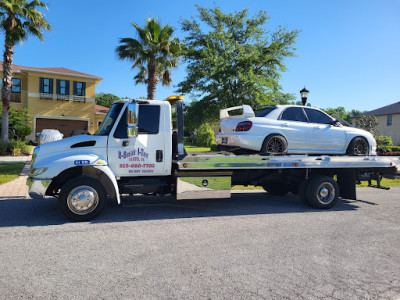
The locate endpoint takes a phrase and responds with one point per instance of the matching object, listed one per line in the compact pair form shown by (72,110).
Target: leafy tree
(154,53)
(234,61)
(18,20)
(205,136)
(342,113)
(106,100)
(367,122)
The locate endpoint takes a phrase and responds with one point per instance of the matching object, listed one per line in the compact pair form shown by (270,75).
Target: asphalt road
(251,246)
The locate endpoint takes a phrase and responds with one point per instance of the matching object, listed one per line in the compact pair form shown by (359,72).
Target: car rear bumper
(37,187)
(250,142)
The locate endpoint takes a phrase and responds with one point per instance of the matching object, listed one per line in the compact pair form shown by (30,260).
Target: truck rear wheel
(322,192)
(82,199)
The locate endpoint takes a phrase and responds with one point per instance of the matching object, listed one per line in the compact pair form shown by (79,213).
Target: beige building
(57,98)
(388,121)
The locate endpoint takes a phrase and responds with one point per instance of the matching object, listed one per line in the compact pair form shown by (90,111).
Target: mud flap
(346,180)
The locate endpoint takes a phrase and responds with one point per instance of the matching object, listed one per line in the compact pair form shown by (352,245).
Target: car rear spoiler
(247,112)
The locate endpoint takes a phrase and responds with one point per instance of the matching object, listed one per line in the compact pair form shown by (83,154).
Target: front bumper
(37,187)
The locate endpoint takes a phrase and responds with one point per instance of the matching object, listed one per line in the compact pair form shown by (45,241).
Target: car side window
(315,116)
(149,121)
(294,114)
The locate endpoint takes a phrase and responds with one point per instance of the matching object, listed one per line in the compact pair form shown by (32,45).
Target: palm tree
(154,53)
(18,20)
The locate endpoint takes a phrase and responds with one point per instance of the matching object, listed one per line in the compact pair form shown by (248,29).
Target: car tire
(322,192)
(276,188)
(274,144)
(94,199)
(358,146)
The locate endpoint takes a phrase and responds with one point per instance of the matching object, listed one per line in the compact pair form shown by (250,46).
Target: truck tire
(322,192)
(82,199)
(276,188)
(274,144)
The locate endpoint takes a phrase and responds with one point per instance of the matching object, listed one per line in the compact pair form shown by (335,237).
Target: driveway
(252,246)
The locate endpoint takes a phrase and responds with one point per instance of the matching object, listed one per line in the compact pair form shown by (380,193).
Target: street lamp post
(304,95)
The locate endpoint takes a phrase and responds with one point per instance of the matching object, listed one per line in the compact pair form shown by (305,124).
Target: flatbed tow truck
(136,151)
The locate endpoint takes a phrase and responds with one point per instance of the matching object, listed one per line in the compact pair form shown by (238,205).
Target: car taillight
(244,126)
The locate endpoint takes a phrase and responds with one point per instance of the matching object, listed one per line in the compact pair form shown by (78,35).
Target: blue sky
(347,51)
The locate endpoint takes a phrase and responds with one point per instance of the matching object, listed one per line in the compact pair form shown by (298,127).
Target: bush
(382,143)
(394,148)
(205,136)
(14,147)
(18,121)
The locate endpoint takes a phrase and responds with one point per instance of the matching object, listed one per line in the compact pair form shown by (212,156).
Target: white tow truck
(136,151)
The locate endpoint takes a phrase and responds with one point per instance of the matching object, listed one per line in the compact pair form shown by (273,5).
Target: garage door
(66,127)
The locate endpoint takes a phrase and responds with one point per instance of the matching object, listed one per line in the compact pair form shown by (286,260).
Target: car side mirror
(132,119)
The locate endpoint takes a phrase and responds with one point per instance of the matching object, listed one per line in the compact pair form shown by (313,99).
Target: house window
(15,90)
(16,85)
(46,85)
(79,88)
(62,89)
(46,88)
(389,120)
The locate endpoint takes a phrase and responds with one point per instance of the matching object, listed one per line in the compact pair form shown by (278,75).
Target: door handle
(159,156)
(125,143)
(285,124)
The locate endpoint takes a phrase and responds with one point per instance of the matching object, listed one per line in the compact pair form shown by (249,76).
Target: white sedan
(290,129)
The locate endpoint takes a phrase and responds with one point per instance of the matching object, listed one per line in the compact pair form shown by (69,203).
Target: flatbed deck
(225,161)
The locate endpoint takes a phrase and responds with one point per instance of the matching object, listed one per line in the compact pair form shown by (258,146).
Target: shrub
(382,143)
(18,121)
(205,136)
(14,147)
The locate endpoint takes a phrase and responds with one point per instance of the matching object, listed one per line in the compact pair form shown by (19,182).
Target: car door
(141,155)
(295,127)
(325,135)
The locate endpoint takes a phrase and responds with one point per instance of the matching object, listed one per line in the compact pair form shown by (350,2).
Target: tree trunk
(6,88)
(152,80)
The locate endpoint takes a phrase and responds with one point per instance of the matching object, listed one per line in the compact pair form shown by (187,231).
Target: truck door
(142,155)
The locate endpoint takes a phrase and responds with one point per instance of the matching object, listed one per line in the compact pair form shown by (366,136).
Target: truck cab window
(109,120)
(149,121)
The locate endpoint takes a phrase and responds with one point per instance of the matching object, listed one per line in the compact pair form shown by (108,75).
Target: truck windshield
(109,120)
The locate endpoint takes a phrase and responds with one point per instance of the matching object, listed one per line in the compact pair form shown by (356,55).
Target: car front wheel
(358,146)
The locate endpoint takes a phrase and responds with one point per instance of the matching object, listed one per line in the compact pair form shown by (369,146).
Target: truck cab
(130,153)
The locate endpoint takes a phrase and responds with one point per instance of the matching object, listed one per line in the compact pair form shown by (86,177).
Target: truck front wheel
(82,199)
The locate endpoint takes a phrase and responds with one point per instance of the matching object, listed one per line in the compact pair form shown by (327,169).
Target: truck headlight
(36,171)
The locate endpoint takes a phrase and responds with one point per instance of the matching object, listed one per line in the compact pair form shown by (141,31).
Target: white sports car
(291,129)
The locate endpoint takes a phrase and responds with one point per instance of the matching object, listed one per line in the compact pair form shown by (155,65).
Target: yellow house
(57,98)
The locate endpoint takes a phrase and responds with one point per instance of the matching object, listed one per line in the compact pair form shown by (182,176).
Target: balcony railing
(63,97)
(46,96)
(15,97)
(80,98)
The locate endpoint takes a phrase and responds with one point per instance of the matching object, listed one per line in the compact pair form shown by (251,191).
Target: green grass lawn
(384,182)
(191,148)
(10,171)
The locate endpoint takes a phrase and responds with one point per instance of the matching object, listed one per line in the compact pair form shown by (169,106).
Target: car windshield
(109,120)
(265,111)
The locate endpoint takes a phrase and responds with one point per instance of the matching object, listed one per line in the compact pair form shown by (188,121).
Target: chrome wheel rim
(275,146)
(326,193)
(82,200)
(360,147)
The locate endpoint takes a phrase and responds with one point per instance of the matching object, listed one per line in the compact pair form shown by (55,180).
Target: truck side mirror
(132,119)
